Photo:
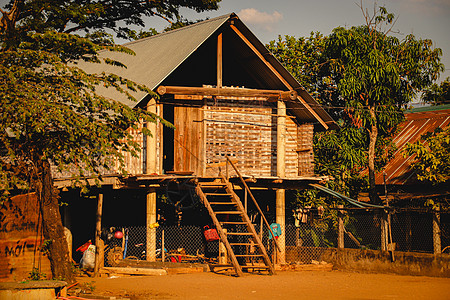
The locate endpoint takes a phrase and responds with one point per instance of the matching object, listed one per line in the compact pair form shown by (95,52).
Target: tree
(51,112)
(377,74)
(369,76)
(432,155)
(437,94)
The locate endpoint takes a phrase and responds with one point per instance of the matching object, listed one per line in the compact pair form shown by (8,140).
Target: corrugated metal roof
(398,170)
(159,56)
(156,56)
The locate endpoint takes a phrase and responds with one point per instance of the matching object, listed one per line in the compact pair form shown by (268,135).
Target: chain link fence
(305,242)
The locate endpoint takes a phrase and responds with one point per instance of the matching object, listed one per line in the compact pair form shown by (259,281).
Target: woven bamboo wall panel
(291,160)
(247,132)
(133,164)
(111,165)
(305,149)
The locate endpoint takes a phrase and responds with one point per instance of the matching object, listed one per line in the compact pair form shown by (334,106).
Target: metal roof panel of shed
(398,170)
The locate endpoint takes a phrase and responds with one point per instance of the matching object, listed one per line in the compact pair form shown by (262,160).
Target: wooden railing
(247,189)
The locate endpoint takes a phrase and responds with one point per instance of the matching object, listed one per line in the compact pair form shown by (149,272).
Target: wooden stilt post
(99,245)
(281,173)
(340,227)
(151,231)
(151,195)
(437,232)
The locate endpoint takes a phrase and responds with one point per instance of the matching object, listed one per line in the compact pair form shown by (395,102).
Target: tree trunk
(373,134)
(52,224)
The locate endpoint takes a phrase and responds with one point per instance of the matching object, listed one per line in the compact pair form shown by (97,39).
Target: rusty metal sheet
(398,170)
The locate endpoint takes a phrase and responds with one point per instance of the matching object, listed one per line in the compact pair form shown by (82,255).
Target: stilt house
(228,97)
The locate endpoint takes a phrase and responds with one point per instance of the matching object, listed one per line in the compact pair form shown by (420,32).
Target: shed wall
(246,131)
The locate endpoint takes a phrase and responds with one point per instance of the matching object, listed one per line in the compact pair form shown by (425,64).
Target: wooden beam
(219,60)
(277,74)
(322,122)
(151,142)
(281,173)
(227,92)
(281,139)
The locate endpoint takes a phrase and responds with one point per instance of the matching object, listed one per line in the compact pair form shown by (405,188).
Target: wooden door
(188,139)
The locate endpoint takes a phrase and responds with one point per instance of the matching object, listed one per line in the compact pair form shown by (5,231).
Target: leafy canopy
(364,76)
(51,109)
(437,94)
(432,155)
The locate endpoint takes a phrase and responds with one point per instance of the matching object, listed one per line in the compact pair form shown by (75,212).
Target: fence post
(384,231)
(163,249)
(340,227)
(437,231)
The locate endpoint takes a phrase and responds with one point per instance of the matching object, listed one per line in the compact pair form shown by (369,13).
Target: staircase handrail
(254,201)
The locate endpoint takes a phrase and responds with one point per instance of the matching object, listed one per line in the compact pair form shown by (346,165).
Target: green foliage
(364,76)
(91,15)
(432,155)
(36,274)
(88,286)
(437,94)
(134,35)
(51,109)
(45,247)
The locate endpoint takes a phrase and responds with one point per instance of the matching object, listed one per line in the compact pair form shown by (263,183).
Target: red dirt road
(284,285)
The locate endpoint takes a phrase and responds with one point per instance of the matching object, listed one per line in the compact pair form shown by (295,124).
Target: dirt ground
(283,285)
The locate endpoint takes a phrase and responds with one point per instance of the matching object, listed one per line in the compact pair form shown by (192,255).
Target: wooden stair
(227,212)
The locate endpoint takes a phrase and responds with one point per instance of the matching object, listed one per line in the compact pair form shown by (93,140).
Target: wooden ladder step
(255,267)
(249,255)
(217,194)
(232,212)
(212,184)
(239,233)
(233,223)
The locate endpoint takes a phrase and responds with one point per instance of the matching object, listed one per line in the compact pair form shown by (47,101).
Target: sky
(267,19)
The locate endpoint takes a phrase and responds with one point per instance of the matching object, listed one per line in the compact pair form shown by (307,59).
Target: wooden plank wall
(305,149)
(244,130)
(188,139)
(134,165)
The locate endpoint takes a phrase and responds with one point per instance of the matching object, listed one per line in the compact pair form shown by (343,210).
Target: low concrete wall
(405,263)
(42,290)
(19,239)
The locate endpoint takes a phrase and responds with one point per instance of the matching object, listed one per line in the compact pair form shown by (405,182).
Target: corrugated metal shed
(177,56)
(398,170)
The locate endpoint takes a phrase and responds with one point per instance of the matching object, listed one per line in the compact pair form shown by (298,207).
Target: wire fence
(305,242)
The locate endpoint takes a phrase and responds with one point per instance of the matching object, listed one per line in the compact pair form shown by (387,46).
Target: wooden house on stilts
(241,122)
